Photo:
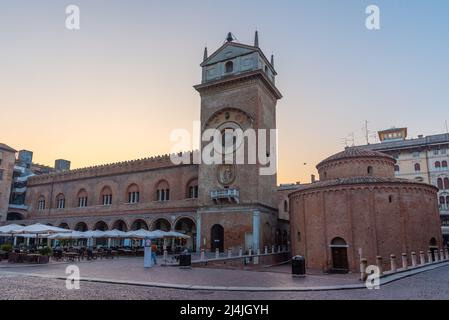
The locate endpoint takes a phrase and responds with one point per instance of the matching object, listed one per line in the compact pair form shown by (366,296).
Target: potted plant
(45,254)
(5,249)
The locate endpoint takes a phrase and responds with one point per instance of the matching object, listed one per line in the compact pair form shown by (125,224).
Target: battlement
(130,166)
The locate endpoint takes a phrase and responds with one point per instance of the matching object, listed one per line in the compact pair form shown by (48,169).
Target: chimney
(312,178)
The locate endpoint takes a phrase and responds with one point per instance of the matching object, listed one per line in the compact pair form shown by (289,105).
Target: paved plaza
(48,282)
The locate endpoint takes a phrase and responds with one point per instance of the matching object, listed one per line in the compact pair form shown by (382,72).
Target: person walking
(153,253)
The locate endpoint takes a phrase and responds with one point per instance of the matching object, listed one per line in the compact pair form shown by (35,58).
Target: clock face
(227,122)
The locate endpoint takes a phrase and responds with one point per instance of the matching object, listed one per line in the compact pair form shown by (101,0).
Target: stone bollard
(217,253)
(266,249)
(446,253)
(422,258)
(256,258)
(363,265)
(429,256)
(442,255)
(414,262)
(250,252)
(273,249)
(435,254)
(203,256)
(394,267)
(229,253)
(404,261)
(240,252)
(165,256)
(379,264)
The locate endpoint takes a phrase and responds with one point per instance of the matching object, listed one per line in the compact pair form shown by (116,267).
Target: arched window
(106,196)
(390,198)
(442,200)
(60,201)
(417,167)
(163,191)
(446,183)
(285,206)
(370,170)
(41,203)
(444,164)
(440,184)
(133,193)
(397,168)
(192,189)
(82,198)
(229,67)
(437,165)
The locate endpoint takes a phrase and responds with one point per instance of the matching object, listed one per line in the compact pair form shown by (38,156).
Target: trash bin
(185,260)
(298,266)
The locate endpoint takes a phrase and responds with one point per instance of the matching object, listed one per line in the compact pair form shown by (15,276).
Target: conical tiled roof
(354,152)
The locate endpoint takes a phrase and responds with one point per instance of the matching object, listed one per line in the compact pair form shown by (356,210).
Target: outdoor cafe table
(72,256)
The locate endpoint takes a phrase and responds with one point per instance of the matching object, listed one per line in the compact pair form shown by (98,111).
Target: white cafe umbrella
(175,234)
(39,228)
(30,235)
(115,234)
(8,229)
(159,234)
(141,234)
(71,235)
(95,234)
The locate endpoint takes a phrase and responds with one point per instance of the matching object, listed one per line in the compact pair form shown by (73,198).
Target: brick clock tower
(237,204)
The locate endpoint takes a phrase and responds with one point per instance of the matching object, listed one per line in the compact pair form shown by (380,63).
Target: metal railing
(225,194)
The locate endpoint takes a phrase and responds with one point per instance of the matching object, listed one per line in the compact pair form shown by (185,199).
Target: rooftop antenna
(445,122)
(366,130)
(349,140)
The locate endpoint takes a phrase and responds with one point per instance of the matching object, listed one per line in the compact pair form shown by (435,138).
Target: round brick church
(359,209)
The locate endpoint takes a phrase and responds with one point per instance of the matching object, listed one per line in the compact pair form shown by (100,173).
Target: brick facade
(364,214)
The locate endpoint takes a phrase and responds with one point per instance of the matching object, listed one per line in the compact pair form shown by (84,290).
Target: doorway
(339,250)
(217,238)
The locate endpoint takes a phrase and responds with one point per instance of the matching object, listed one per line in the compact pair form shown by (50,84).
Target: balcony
(229,195)
(444,209)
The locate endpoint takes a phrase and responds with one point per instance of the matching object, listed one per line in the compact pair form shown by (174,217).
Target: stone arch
(81,226)
(14,216)
(187,225)
(101,225)
(139,224)
(161,224)
(120,225)
(224,115)
(64,225)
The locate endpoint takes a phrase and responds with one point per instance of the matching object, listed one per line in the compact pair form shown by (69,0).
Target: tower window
(229,67)
(417,167)
(370,170)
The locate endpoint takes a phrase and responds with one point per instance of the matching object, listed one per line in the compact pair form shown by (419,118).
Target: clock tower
(237,201)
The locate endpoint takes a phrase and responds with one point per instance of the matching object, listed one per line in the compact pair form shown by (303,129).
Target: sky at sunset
(116,88)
